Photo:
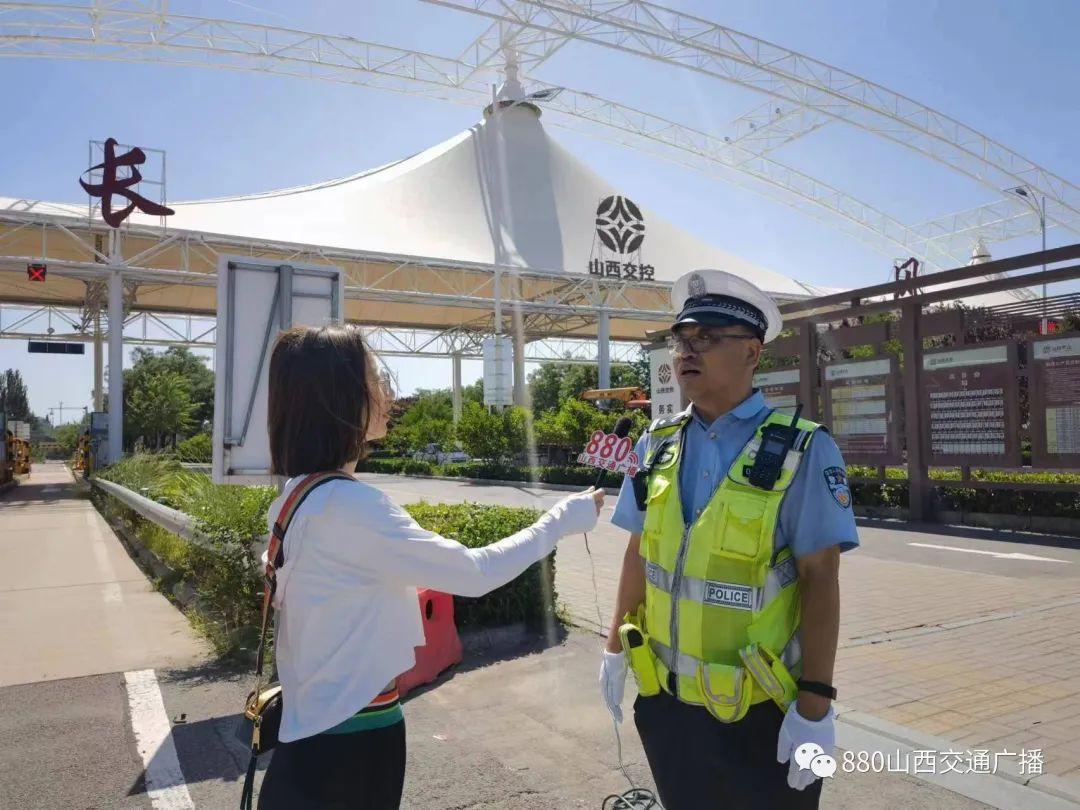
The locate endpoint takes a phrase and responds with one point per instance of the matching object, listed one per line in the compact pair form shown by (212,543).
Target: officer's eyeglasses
(699,344)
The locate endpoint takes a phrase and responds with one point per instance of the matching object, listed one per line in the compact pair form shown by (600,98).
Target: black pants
(360,771)
(698,762)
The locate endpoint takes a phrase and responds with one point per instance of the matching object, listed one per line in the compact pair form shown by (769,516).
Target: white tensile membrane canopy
(501,193)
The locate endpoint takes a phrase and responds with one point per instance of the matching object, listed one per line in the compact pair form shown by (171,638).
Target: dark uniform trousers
(699,763)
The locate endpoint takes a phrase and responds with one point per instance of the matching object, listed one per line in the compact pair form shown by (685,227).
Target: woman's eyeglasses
(699,344)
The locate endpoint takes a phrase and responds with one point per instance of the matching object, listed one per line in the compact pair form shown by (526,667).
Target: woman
(348,617)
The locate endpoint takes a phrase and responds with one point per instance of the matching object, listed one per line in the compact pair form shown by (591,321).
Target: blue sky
(1007,69)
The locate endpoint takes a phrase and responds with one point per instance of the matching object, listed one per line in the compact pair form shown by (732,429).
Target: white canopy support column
(116,363)
(603,348)
(99,365)
(519,369)
(455,360)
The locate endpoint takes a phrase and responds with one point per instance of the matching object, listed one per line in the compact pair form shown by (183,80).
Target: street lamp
(1027,193)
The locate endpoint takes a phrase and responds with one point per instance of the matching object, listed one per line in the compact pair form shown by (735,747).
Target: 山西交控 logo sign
(619,224)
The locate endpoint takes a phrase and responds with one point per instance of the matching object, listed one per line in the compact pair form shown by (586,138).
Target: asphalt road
(1007,554)
(518,729)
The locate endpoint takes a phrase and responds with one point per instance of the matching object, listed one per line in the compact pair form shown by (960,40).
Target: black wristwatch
(817,688)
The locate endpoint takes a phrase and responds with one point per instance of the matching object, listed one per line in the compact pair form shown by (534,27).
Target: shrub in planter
(529,598)
(196,449)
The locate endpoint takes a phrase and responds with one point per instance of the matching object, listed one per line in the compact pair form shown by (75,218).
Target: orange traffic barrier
(442,647)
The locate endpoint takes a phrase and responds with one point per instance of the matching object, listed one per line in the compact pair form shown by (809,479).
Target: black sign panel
(55,347)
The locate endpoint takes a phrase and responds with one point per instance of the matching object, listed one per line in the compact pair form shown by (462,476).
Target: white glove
(613,682)
(574,514)
(797,736)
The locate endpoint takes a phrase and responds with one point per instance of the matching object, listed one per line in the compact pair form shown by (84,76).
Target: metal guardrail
(172,520)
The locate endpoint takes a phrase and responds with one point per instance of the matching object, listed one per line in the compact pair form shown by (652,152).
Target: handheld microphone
(622,430)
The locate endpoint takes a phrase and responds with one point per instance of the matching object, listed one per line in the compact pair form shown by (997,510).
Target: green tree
(160,408)
(545,385)
(67,436)
(554,383)
(481,432)
(474,392)
(514,428)
(641,369)
(429,419)
(14,399)
(177,360)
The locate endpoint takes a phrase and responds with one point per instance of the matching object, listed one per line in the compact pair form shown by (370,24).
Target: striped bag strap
(275,553)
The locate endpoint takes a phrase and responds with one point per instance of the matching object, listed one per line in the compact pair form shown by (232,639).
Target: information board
(970,401)
(256,300)
(861,412)
(666,393)
(780,388)
(1054,363)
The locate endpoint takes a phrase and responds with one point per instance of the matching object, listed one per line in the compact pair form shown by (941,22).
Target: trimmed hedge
(1017,501)
(893,492)
(486,470)
(529,598)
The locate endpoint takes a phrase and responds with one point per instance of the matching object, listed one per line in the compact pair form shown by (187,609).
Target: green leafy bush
(529,598)
(144,473)
(196,449)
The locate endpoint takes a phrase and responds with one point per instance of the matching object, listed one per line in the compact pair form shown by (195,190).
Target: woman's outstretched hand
(598,498)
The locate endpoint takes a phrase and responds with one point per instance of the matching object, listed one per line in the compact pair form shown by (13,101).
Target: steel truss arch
(139,35)
(136,34)
(646,29)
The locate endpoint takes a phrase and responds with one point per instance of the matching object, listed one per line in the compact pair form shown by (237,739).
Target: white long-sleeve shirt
(348,616)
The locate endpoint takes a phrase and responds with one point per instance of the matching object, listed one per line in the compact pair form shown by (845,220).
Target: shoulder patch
(836,481)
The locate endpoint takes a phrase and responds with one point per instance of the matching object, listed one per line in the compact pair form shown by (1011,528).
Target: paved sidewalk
(983,660)
(72,602)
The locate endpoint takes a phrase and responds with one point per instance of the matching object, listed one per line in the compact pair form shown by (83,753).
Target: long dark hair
(324,388)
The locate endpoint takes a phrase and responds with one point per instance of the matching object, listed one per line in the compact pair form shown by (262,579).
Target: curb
(489,638)
(1006,789)
(495,482)
(181,591)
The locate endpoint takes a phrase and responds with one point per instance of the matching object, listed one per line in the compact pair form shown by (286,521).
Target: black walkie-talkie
(776,441)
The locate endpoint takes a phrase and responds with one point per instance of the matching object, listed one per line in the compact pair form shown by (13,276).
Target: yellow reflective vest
(730,639)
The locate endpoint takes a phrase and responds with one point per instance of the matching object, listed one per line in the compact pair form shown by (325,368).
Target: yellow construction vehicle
(19,452)
(633,398)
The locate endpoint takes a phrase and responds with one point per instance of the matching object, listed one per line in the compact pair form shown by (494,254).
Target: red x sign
(36,272)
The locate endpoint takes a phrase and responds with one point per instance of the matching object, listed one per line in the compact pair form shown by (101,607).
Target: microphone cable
(636,798)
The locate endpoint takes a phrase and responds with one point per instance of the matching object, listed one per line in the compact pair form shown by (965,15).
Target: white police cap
(719,298)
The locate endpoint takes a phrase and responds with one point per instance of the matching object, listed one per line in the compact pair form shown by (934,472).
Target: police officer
(729,583)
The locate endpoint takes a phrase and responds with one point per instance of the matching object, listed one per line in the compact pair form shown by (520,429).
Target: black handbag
(259,725)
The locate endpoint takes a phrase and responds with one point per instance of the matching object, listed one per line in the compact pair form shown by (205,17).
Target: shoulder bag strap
(275,555)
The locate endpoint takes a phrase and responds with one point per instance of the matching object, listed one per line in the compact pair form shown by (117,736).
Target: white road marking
(1002,555)
(111,592)
(165,783)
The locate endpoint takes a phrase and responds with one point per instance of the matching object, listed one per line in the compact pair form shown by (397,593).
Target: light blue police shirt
(812,517)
